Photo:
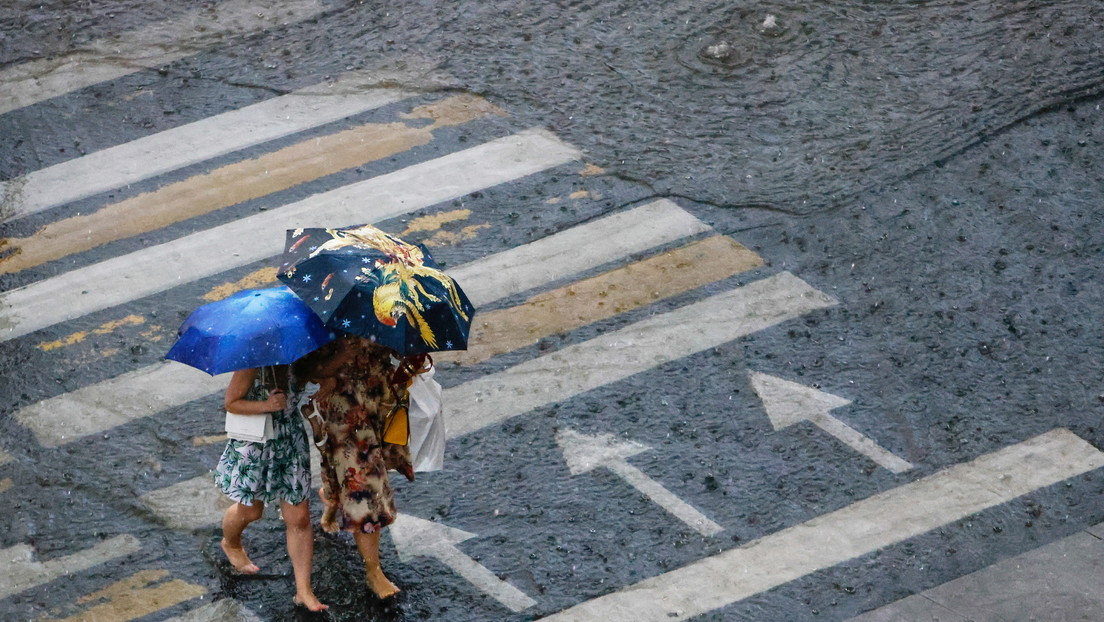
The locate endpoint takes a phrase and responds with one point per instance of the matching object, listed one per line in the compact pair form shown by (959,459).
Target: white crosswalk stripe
(151,46)
(638,347)
(131,162)
(20,571)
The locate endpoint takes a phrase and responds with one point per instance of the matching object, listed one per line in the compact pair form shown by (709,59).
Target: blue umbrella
(252,328)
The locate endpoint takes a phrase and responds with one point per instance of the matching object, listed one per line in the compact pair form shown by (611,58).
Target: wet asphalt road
(933,167)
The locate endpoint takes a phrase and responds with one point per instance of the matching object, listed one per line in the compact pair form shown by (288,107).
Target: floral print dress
(278,469)
(355,459)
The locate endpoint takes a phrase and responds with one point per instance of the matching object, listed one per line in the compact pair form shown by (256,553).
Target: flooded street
(748,278)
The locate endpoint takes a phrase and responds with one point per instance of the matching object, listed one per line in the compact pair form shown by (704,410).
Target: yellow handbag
(397,429)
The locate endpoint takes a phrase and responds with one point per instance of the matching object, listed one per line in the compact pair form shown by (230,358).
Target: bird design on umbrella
(398,294)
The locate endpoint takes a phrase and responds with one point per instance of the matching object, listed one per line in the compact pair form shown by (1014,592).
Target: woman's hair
(310,365)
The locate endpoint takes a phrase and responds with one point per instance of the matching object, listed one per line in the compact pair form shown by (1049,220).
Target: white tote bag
(252,428)
(427,423)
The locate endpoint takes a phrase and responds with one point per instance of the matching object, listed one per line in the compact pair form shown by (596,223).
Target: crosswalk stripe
(662,338)
(147,391)
(575,250)
(195,503)
(222,610)
(236,183)
(113,402)
(260,236)
(617,291)
(136,596)
(874,523)
(144,158)
(21,572)
(154,45)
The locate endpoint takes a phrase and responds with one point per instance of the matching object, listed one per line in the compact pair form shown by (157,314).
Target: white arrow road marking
(585,453)
(788,403)
(156,44)
(858,529)
(416,537)
(258,237)
(188,144)
(153,389)
(635,348)
(19,571)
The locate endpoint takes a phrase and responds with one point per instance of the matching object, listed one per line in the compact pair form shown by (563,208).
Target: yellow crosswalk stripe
(590,300)
(103,329)
(253,280)
(239,182)
(138,595)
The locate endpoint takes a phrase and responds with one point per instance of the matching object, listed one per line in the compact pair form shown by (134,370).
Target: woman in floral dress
(356,393)
(255,474)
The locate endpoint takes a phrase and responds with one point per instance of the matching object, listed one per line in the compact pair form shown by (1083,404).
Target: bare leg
(300,545)
(234,522)
(329,510)
(368,545)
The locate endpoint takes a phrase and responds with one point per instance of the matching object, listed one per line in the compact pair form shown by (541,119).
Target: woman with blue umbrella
(257,334)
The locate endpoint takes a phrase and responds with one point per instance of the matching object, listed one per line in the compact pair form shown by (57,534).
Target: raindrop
(721,53)
(771,27)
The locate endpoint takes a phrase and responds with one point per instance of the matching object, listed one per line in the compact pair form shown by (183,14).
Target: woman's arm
(236,403)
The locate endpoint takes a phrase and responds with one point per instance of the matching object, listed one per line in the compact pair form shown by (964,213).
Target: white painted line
(188,144)
(158,268)
(417,537)
(222,610)
(148,391)
(154,45)
(788,403)
(19,571)
(575,250)
(858,529)
(188,505)
(635,348)
(584,453)
(97,408)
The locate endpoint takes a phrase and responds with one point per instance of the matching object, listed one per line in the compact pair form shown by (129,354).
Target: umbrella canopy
(252,328)
(365,282)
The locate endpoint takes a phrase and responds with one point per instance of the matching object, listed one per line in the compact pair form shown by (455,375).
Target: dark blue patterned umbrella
(252,328)
(365,282)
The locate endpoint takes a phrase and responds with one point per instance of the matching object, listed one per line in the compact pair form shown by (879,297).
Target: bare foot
(380,585)
(238,559)
(309,601)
